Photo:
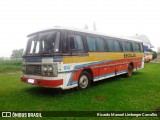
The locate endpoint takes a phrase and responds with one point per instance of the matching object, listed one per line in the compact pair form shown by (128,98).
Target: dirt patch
(100,98)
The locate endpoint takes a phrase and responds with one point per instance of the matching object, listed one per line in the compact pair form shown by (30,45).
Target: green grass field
(140,92)
(10,65)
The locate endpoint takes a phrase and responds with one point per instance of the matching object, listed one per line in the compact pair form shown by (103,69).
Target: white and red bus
(66,58)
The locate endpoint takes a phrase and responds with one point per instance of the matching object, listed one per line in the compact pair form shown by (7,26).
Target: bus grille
(33,69)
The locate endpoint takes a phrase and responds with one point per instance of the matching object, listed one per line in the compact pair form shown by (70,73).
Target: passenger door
(77,54)
(76,45)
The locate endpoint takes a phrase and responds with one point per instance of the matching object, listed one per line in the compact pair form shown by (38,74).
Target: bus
(148,56)
(66,57)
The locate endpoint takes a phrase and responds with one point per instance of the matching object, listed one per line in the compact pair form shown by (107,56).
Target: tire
(130,70)
(84,80)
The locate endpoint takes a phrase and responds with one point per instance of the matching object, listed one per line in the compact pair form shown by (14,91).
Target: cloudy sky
(18,18)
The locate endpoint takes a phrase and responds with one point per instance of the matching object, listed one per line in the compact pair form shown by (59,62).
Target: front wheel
(130,71)
(84,80)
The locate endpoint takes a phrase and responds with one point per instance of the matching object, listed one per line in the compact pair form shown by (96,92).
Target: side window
(141,46)
(126,46)
(117,46)
(100,44)
(114,46)
(79,42)
(71,41)
(111,46)
(75,42)
(91,42)
(136,47)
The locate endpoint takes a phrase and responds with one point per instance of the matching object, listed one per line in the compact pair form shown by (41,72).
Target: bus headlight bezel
(49,70)
(44,68)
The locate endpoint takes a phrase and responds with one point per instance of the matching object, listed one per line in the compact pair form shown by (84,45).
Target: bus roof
(84,31)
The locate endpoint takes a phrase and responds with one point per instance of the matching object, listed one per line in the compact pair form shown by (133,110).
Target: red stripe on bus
(109,69)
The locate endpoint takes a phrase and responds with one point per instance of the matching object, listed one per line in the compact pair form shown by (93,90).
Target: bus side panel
(68,79)
(76,75)
(120,69)
(106,72)
(95,71)
(137,63)
(101,67)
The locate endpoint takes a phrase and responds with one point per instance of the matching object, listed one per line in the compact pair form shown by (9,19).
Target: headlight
(47,68)
(50,70)
(44,68)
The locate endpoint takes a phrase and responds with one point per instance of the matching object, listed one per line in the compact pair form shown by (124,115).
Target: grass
(139,92)
(10,65)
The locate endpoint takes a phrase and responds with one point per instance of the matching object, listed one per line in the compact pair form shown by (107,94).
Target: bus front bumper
(42,82)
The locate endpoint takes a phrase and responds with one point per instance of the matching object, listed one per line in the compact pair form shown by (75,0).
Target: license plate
(30,80)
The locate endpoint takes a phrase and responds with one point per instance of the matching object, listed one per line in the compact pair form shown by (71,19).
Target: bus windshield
(43,43)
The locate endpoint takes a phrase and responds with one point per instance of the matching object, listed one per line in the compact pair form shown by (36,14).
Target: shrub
(10,65)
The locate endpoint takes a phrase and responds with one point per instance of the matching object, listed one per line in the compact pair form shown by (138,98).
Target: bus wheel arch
(90,73)
(130,69)
(85,79)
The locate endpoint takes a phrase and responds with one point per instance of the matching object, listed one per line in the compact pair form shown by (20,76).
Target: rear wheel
(130,70)
(84,80)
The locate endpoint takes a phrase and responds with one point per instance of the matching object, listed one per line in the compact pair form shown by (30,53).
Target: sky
(18,18)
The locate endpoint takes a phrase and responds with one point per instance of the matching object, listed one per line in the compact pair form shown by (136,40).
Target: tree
(17,53)
(150,50)
(153,53)
(4,58)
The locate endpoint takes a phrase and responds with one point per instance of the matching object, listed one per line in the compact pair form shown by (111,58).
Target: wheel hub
(83,82)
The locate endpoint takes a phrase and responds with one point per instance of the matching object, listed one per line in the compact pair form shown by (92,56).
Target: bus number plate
(30,80)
